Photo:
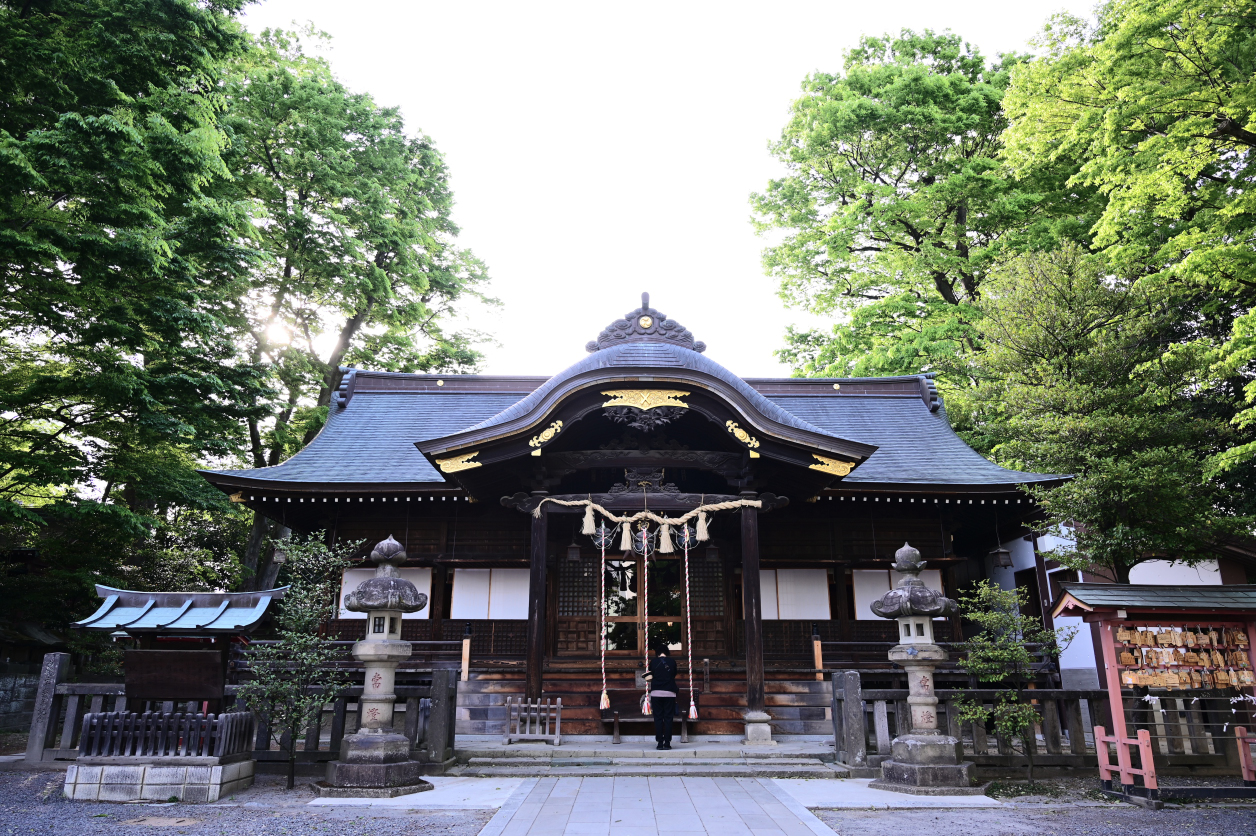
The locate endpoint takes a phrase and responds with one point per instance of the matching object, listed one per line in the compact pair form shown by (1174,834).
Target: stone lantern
(375,761)
(924,761)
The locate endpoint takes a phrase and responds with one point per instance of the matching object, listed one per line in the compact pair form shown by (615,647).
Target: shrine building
(493,483)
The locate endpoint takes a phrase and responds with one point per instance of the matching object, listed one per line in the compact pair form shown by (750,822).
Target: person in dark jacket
(661,679)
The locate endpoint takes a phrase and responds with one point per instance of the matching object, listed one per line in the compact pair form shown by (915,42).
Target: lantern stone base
(926,764)
(373,765)
(758,729)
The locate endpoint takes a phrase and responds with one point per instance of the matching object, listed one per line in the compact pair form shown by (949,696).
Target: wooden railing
(871,659)
(865,721)
(424,655)
(427,706)
(112,734)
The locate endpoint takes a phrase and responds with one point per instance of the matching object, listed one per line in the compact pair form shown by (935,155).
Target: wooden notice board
(174,674)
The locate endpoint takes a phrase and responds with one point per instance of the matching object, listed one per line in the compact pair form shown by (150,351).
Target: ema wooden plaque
(174,674)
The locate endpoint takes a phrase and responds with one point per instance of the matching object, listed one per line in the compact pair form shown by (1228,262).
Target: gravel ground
(1025,820)
(31,802)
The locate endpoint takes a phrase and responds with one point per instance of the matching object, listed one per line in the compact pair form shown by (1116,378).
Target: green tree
(123,279)
(1007,650)
(1156,104)
(352,216)
(1078,377)
(895,204)
(289,681)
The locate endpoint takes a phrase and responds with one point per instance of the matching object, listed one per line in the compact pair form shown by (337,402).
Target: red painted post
(1112,674)
(1245,756)
(1101,752)
(1148,764)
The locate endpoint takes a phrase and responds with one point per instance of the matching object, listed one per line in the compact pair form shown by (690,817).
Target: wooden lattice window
(577,588)
(706,586)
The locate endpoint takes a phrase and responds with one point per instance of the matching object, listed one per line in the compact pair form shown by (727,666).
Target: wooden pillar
(536,607)
(1044,585)
(436,606)
(752,607)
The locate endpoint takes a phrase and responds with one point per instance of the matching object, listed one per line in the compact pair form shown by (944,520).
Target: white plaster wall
(508,594)
(802,594)
(767,595)
(1163,572)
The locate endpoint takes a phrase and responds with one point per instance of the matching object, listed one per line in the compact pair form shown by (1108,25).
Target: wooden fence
(427,705)
(865,721)
(125,734)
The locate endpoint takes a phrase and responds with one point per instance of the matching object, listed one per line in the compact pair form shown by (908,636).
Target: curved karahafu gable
(644,361)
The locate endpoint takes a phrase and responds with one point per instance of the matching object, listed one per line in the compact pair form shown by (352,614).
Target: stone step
(652,767)
(575,748)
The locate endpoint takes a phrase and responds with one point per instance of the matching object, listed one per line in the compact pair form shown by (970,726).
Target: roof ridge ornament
(645,324)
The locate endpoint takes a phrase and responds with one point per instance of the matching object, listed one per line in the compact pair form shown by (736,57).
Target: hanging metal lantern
(604,536)
(686,537)
(643,541)
(1002,558)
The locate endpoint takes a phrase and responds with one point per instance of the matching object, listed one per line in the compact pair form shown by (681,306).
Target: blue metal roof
(179,612)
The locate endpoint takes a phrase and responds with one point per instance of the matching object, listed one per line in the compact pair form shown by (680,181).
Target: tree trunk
(270,569)
(253,551)
(292,759)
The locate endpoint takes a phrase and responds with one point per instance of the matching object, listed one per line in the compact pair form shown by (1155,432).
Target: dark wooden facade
(846,470)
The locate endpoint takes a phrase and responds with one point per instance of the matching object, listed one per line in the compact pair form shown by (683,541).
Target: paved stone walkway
(639,806)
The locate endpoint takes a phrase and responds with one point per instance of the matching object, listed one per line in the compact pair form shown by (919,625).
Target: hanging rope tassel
(702,527)
(665,540)
(588,520)
(645,705)
(625,542)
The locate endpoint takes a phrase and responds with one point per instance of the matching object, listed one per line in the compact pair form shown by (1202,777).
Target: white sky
(599,150)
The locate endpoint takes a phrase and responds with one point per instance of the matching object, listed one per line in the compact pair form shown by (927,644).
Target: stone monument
(375,761)
(924,761)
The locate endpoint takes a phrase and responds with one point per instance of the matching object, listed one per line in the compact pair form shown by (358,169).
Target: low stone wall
(160,779)
(17,700)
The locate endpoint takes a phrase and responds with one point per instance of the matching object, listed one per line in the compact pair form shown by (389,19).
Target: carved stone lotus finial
(911,596)
(387,590)
(388,551)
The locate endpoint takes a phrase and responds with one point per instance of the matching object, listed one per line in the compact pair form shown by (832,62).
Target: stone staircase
(797,706)
(709,759)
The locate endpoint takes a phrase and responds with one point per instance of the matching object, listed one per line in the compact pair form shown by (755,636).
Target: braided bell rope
(693,709)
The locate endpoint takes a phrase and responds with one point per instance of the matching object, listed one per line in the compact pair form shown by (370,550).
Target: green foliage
(895,204)
(292,679)
(352,220)
(121,274)
(1080,376)
(175,197)
(1156,104)
(1004,651)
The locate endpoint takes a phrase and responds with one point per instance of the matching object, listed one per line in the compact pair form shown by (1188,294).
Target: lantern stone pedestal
(375,761)
(924,761)
(758,729)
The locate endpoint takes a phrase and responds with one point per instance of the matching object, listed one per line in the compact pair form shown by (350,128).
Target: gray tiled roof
(1146,596)
(914,445)
(372,440)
